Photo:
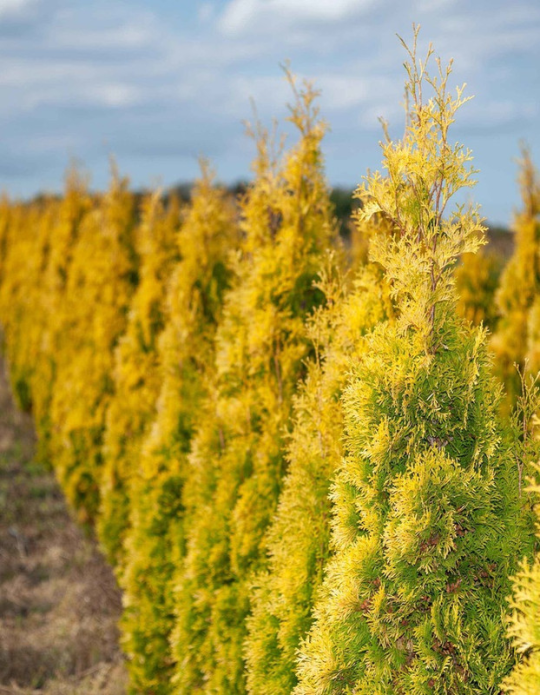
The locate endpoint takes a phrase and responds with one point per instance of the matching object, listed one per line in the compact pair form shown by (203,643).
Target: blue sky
(159,83)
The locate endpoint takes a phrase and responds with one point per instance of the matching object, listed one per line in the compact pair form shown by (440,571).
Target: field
(59,601)
(307,446)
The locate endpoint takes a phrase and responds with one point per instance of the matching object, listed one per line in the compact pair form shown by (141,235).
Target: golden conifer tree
(517,297)
(524,627)
(102,278)
(237,460)
(22,293)
(68,215)
(137,377)
(34,259)
(426,511)
(298,538)
(155,474)
(6,212)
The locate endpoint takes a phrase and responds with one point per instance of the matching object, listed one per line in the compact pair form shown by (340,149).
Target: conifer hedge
(426,516)
(237,457)
(517,338)
(297,542)
(185,352)
(295,458)
(136,374)
(477,281)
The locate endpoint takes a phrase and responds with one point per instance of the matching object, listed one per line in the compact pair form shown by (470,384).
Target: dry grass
(59,603)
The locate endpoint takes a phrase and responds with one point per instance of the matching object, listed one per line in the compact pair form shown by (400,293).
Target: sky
(159,84)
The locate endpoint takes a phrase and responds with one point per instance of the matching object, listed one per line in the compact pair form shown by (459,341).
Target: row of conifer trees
(310,470)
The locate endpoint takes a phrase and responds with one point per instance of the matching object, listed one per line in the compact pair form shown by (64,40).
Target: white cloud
(156,90)
(13,8)
(109,94)
(341,92)
(433,5)
(127,35)
(243,16)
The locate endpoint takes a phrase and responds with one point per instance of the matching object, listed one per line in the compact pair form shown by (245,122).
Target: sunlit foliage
(477,280)
(101,280)
(425,501)
(237,458)
(137,378)
(298,539)
(155,470)
(524,627)
(295,459)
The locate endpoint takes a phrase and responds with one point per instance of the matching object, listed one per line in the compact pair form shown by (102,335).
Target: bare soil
(59,603)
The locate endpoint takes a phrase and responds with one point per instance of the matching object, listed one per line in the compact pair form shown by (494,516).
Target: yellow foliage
(524,623)
(237,458)
(21,296)
(156,468)
(517,336)
(299,473)
(477,279)
(68,215)
(137,378)
(426,517)
(297,541)
(101,280)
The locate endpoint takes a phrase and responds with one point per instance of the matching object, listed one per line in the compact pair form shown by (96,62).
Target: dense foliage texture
(136,375)
(103,273)
(297,541)
(525,627)
(295,460)
(157,470)
(425,511)
(477,281)
(237,458)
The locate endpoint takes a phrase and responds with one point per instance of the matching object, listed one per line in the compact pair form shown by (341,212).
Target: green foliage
(237,459)
(298,539)
(299,473)
(426,512)
(155,469)
(523,624)
(524,627)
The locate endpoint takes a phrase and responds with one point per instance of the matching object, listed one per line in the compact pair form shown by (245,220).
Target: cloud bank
(160,84)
